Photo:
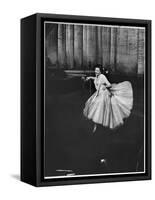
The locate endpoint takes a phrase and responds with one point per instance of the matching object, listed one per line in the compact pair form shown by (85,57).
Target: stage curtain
(80,47)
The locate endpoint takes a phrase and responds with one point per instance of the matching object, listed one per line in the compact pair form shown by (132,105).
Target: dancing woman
(110,104)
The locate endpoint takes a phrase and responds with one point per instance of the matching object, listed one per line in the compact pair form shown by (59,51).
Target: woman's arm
(90,77)
(106,82)
(103,82)
(108,86)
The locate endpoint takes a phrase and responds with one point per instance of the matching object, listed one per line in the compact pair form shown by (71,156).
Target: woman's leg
(95,127)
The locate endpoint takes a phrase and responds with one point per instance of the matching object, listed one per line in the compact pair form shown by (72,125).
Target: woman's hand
(83,78)
(107,86)
(88,78)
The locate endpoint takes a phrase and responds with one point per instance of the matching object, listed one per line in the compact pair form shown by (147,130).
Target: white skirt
(110,110)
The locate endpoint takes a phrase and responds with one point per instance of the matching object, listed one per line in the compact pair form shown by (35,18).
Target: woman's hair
(100,67)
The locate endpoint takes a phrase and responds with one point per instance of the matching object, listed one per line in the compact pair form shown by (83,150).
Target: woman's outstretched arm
(90,77)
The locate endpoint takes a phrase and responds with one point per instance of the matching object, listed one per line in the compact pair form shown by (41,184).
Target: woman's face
(97,71)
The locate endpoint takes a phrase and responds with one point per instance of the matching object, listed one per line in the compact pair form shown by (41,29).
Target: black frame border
(40,98)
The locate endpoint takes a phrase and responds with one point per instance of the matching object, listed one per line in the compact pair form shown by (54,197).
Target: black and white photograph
(94,100)
(77,97)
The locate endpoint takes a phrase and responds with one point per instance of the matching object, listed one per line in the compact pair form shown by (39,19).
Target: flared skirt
(111,106)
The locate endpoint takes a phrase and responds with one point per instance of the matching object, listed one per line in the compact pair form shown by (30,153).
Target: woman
(110,104)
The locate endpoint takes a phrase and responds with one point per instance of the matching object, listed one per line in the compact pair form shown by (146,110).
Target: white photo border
(105,174)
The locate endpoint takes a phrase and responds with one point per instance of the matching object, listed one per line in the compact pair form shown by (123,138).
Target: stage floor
(71,145)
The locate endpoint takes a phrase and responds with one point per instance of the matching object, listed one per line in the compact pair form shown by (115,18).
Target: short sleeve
(104,80)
